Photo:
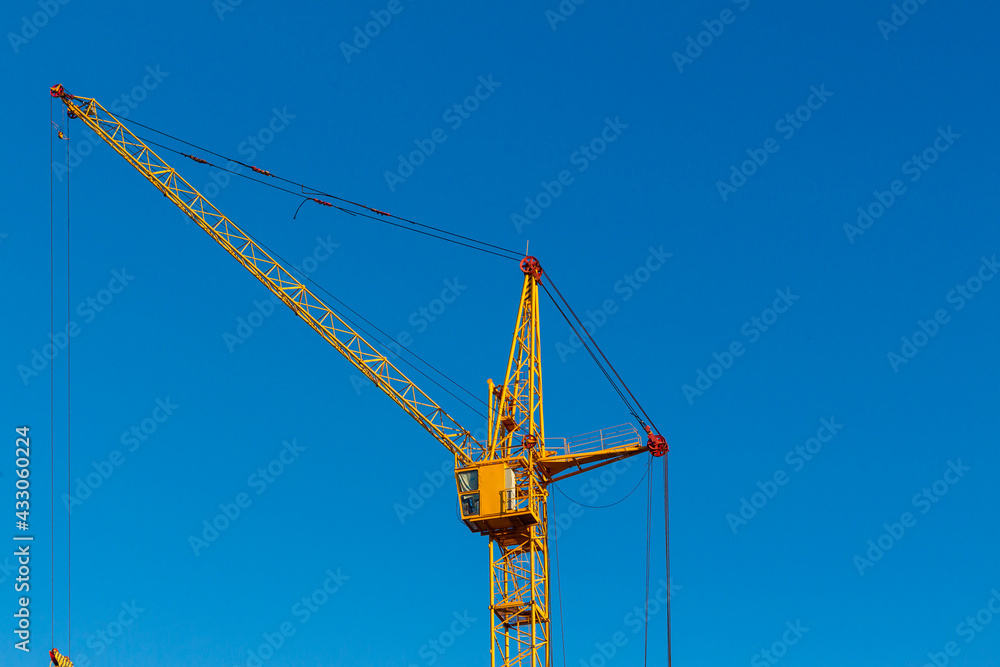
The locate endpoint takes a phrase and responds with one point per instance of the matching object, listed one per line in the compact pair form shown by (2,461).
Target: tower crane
(502,483)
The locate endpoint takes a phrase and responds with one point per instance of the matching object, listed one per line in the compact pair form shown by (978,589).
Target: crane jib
(502,484)
(276,277)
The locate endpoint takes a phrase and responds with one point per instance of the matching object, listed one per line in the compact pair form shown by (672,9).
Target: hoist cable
(364,215)
(510,254)
(355,326)
(514,254)
(52,383)
(388,336)
(69,531)
(314,283)
(649,541)
(602,507)
(589,351)
(601,352)
(562,625)
(307,194)
(670,584)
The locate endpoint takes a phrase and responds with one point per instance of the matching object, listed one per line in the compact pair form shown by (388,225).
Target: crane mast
(503,483)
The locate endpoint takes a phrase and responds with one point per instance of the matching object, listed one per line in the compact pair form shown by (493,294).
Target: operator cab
(490,500)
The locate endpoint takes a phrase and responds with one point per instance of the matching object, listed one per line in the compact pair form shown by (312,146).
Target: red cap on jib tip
(657,445)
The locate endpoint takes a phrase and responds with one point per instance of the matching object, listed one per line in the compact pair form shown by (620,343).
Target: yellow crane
(502,483)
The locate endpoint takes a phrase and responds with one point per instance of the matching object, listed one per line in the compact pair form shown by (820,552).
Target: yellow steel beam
(59,659)
(566,465)
(276,278)
(519,558)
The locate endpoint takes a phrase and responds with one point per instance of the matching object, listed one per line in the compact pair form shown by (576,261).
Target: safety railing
(622,435)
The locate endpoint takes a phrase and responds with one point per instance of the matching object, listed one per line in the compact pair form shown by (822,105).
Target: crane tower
(502,484)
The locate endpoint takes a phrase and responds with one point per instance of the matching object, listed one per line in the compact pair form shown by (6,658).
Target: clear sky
(781,218)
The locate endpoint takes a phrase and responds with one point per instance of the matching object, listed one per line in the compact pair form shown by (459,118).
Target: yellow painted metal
(277,278)
(59,659)
(519,551)
(492,484)
(495,505)
(515,465)
(519,563)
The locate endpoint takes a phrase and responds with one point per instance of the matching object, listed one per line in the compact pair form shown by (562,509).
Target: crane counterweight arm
(278,279)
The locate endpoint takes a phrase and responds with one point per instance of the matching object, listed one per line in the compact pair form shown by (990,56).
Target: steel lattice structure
(503,484)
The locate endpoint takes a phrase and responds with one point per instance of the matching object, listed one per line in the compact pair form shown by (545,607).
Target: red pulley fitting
(57,90)
(531,265)
(657,445)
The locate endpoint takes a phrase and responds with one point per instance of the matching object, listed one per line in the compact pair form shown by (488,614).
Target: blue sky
(815,186)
